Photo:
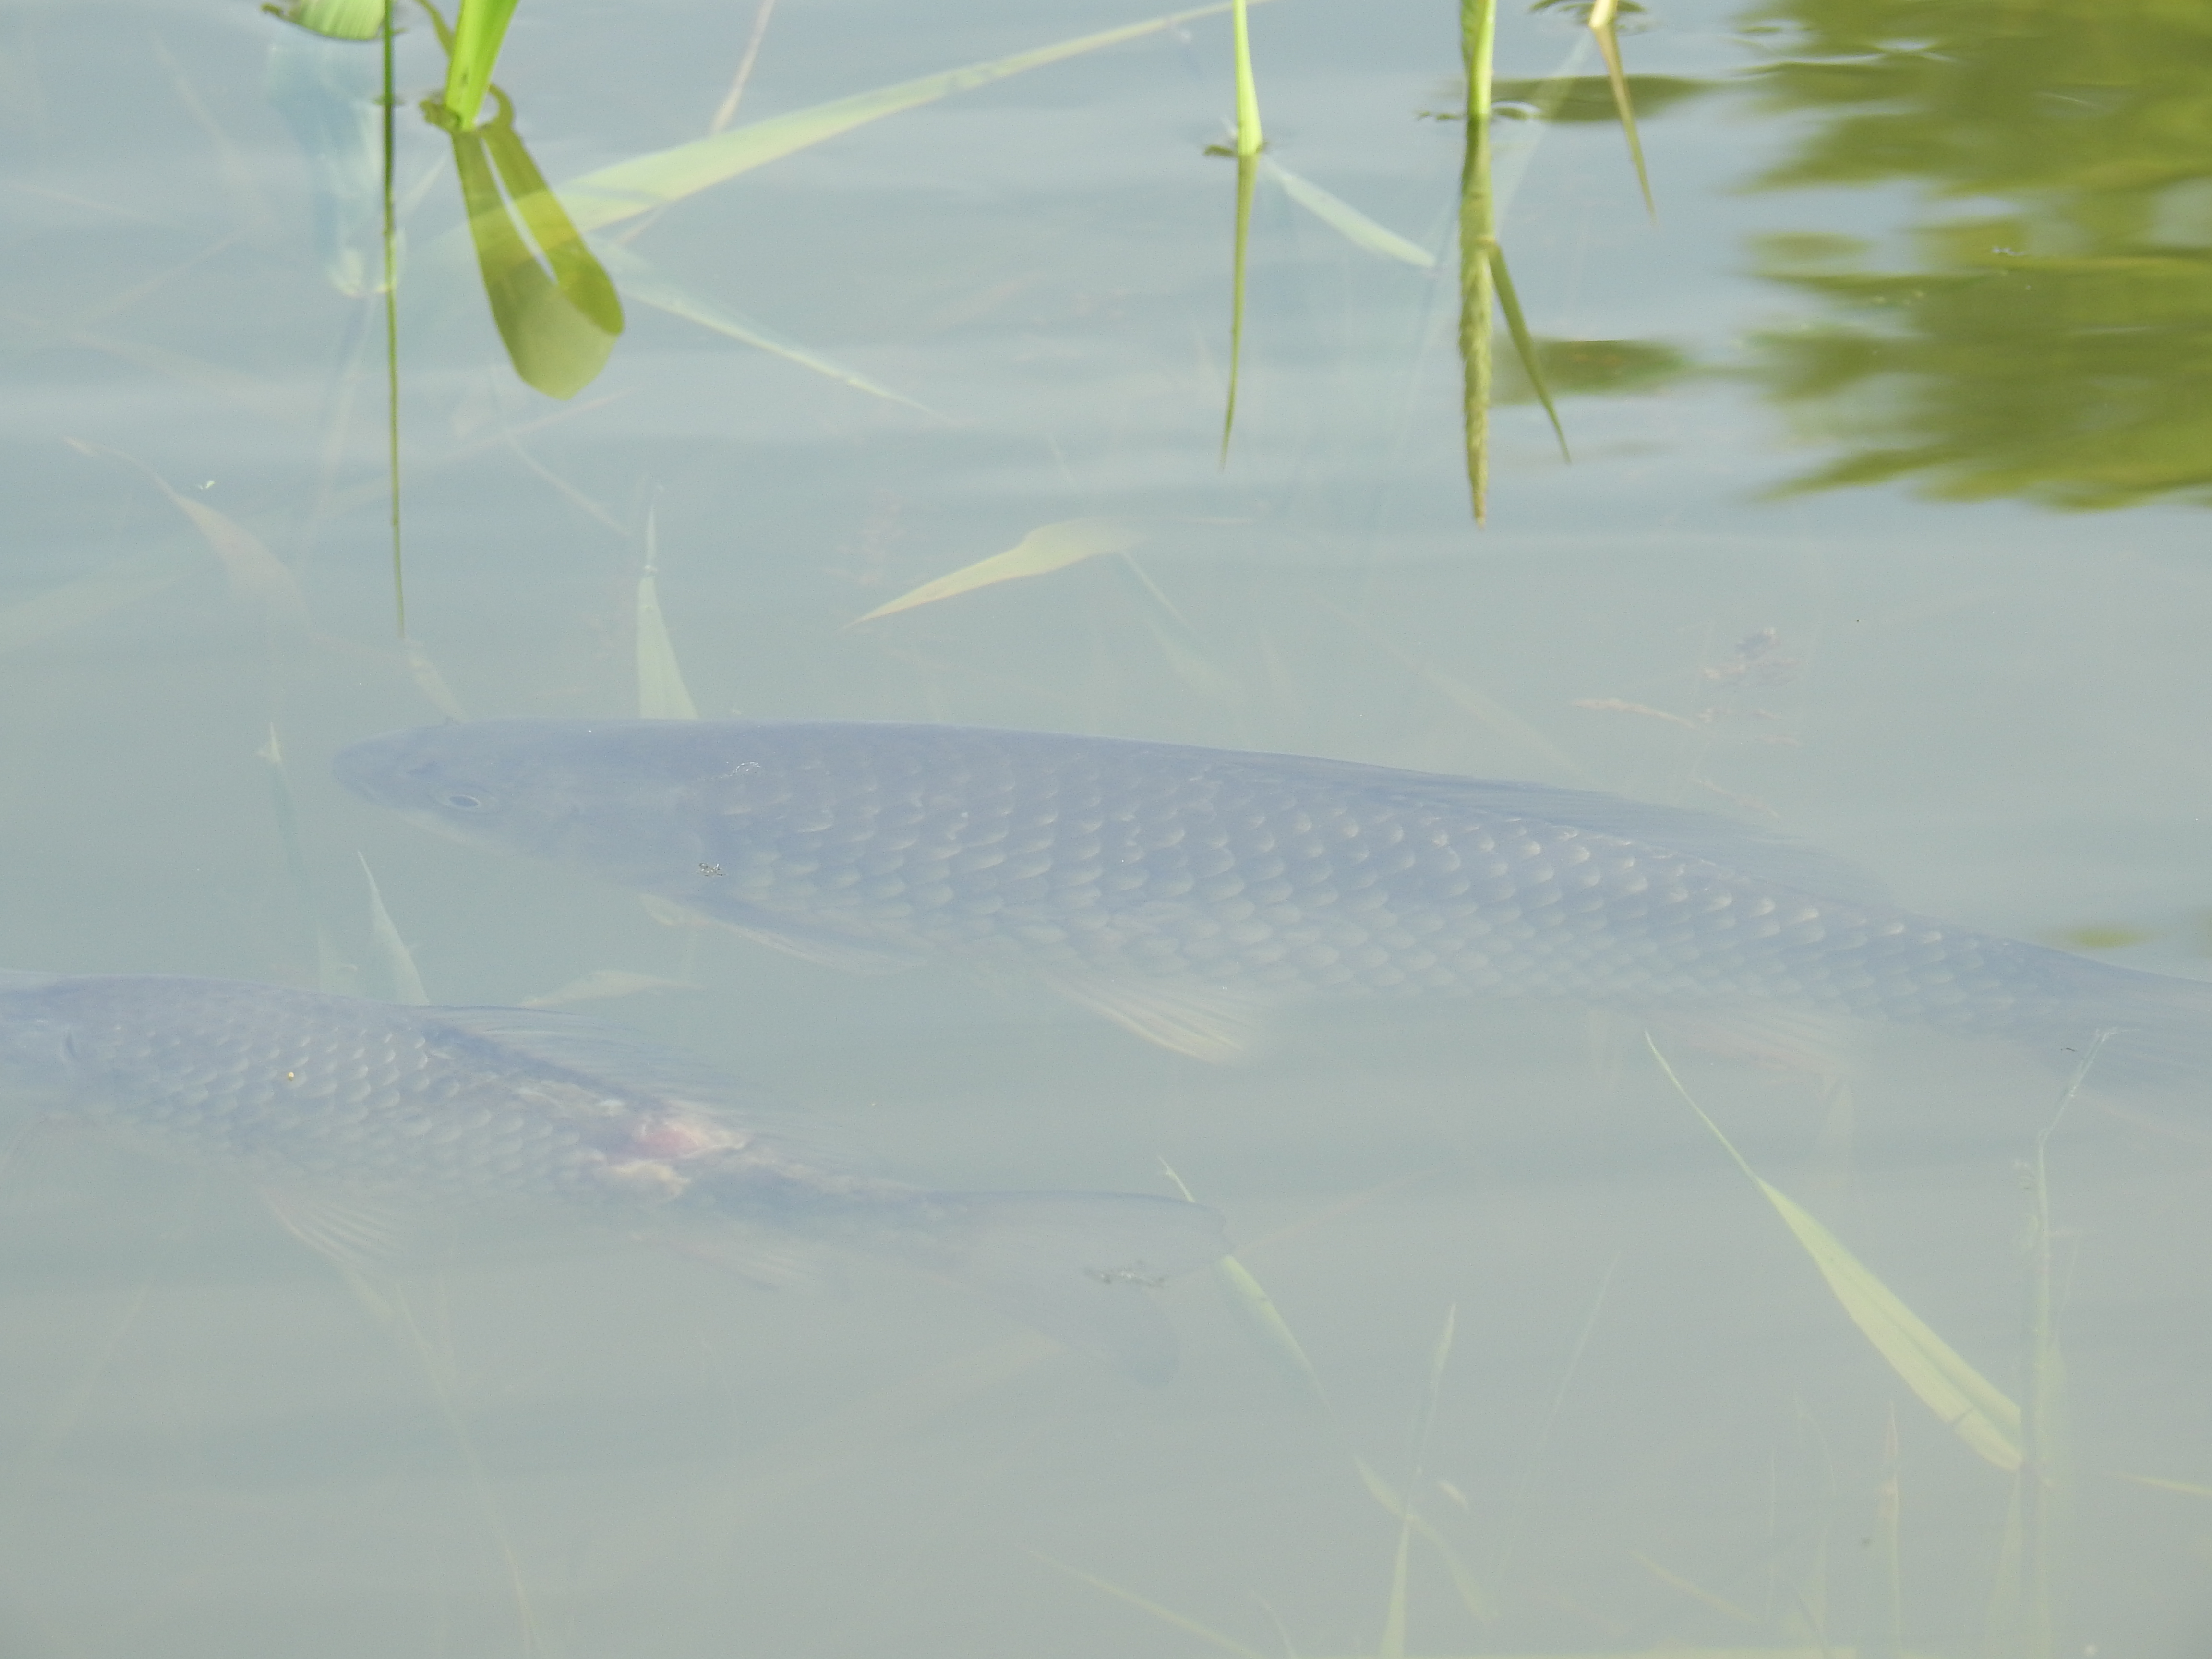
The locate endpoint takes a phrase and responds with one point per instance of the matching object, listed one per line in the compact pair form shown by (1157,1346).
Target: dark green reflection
(2052,336)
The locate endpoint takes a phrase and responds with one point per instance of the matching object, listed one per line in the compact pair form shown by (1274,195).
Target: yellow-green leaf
(1970,1405)
(1348,221)
(337,20)
(646,182)
(1048,548)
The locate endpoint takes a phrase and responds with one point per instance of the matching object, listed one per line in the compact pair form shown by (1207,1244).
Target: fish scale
(1191,894)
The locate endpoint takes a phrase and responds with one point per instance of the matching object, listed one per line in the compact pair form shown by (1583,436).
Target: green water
(1883,525)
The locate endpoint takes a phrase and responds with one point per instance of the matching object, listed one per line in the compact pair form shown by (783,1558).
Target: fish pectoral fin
(1769,1035)
(1210,1023)
(363,1239)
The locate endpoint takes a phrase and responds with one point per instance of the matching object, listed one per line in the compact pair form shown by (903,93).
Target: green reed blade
(1472,1596)
(1212,1638)
(1968,1403)
(477,33)
(554,346)
(579,277)
(1259,1314)
(335,19)
(1248,138)
(1524,344)
(390,114)
(635,186)
(1478,235)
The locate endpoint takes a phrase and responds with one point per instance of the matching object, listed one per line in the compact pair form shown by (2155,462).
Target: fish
(1196,895)
(360,1122)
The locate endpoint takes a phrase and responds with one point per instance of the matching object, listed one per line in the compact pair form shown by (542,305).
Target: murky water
(1883,525)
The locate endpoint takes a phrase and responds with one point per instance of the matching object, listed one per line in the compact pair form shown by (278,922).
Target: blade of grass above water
(1478,235)
(1249,138)
(614,193)
(477,31)
(1968,1403)
(1048,548)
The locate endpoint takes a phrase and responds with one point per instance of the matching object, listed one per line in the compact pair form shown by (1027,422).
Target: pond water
(1883,526)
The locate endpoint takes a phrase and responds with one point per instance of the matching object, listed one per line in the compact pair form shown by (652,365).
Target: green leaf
(1048,548)
(555,345)
(335,19)
(1348,221)
(647,284)
(477,33)
(1969,1404)
(646,182)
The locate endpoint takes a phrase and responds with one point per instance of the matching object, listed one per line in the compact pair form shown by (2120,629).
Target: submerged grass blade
(399,960)
(1601,21)
(1524,344)
(628,188)
(1212,1638)
(1969,1404)
(1248,138)
(661,693)
(1048,548)
(646,283)
(477,33)
(1471,1595)
(1393,1645)
(1348,221)
(1259,1313)
(255,575)
(1247,168)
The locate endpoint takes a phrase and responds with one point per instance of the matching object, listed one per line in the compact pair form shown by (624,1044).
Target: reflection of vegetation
(1585,98)
(1597,368)
(2052,342)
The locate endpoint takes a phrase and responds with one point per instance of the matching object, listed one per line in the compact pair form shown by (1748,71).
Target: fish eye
(461,803)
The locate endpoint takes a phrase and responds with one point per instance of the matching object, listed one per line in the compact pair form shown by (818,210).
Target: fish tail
(1080,1266)
(2140,1042)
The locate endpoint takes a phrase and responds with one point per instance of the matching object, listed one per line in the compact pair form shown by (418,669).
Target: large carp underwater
(1194,894)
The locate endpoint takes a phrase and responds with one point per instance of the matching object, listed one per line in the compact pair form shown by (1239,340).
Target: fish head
(543,789)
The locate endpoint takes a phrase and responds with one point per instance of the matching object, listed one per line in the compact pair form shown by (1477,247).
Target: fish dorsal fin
(821,946)
(1205,1022)
(1748,849)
